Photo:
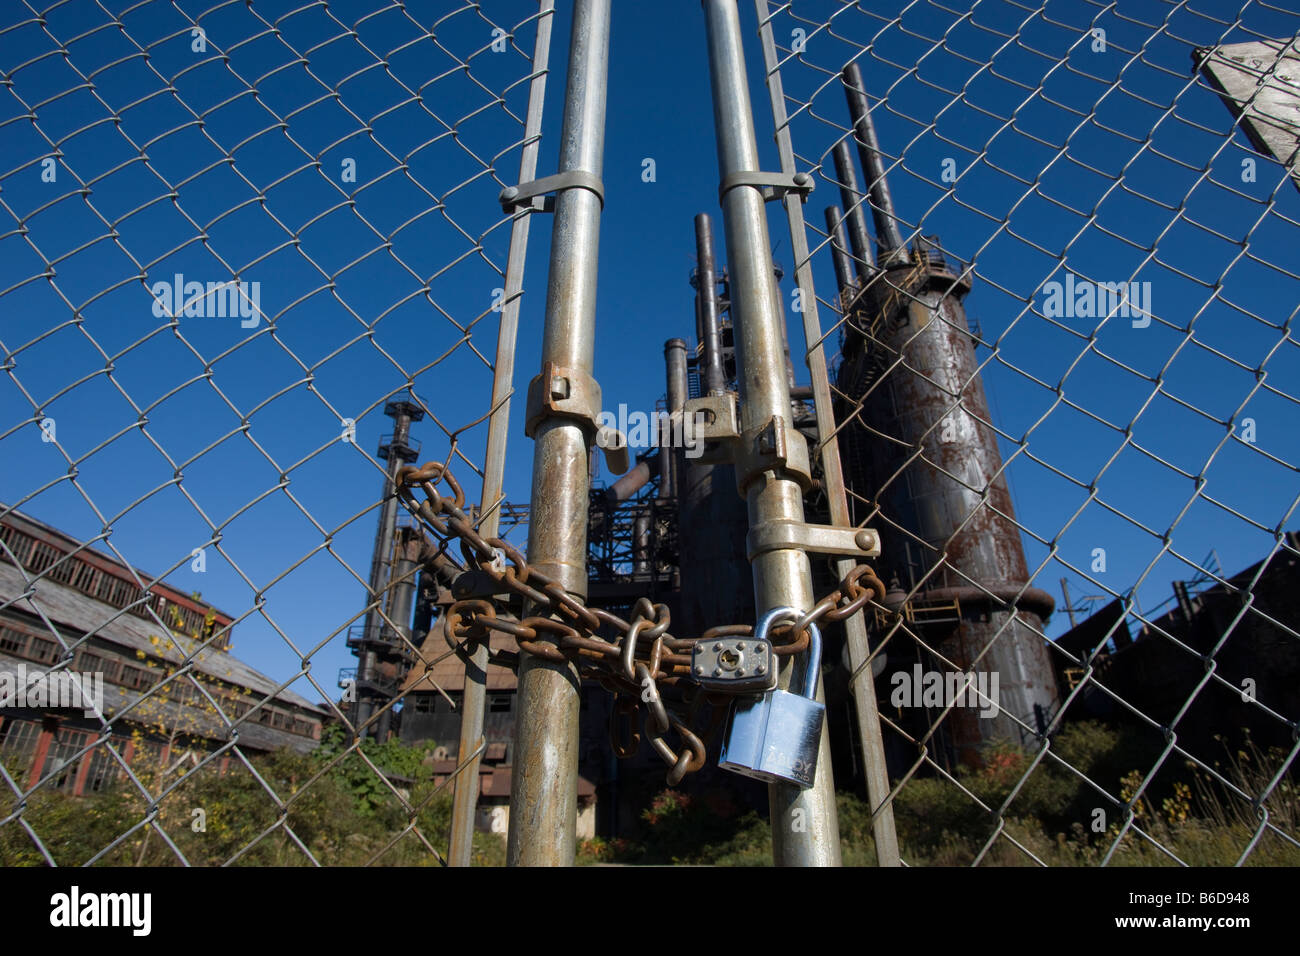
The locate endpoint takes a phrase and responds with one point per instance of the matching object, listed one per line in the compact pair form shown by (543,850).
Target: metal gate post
(771,457)
(560,418)
(862,681)
(465,799)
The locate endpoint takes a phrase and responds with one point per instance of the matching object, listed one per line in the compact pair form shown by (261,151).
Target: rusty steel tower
(919,446)
(382,648)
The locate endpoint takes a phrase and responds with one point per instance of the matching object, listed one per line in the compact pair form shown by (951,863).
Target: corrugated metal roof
(448,673)
(19,519)
(77,614)
(198,720)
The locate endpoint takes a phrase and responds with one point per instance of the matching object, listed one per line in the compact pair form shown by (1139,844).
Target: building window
(84,580)
(137,678)
(96,663)
(19,543)
(62,761)
(64,571)
(103,770)
(44,651)
(13,642)
(42,556)
(500,703)
(18,738)
(444,705)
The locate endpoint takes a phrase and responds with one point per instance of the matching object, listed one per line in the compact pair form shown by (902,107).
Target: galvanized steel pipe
(544,784)
(805,828)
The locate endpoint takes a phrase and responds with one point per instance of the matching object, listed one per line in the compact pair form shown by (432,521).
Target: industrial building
(673,528)
(88,613)
(1144,675)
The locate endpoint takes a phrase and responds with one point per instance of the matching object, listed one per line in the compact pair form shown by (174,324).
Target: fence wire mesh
(237,241)
(1118,396)
(237,236)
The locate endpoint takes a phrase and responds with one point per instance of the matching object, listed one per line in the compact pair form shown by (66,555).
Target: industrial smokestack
(675,360)
(852,197)
(915,442)
(409,545)
(839,250)
(888,236)
(373,654)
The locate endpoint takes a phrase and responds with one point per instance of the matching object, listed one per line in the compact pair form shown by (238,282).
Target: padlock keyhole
(730,659)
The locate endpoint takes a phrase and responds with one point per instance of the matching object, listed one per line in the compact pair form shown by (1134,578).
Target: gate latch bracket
(529,194)
(561,392)
(816,538)
(773,186)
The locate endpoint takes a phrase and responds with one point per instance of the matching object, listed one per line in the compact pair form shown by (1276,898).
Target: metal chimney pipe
(713,379)
(405,566)
(853,198)
(641,544)
(888,236)
(381,569)
(635,479)
(839,249)
(669,450)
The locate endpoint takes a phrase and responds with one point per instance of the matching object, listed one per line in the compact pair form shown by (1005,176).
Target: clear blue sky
(1225,264)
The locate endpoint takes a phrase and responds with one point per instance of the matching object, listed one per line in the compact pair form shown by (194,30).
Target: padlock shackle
(778,614)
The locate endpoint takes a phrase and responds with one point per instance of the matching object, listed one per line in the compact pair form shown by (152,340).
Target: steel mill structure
(921,453)
(669,530)
(797,583)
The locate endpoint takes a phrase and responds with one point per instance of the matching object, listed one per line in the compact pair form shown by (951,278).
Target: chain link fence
(1045,286)
(1069,332)
(234,238)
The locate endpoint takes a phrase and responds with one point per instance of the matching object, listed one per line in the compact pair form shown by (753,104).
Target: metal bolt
(740,646)
(865,540)
(760,669)
(740,672)
(699,668)
(717,672)
(717,647)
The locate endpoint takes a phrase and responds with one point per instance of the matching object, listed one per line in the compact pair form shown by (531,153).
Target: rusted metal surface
(948,506)
(635,659)
(636,478)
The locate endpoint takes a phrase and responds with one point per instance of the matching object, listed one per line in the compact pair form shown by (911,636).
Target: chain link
(639,657)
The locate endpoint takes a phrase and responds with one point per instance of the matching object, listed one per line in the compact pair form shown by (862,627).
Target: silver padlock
(734,665)
(776,737)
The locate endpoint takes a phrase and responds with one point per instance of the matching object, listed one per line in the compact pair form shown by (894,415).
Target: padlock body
(774,738)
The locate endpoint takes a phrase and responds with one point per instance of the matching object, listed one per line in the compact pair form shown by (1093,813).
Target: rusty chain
(642,655)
